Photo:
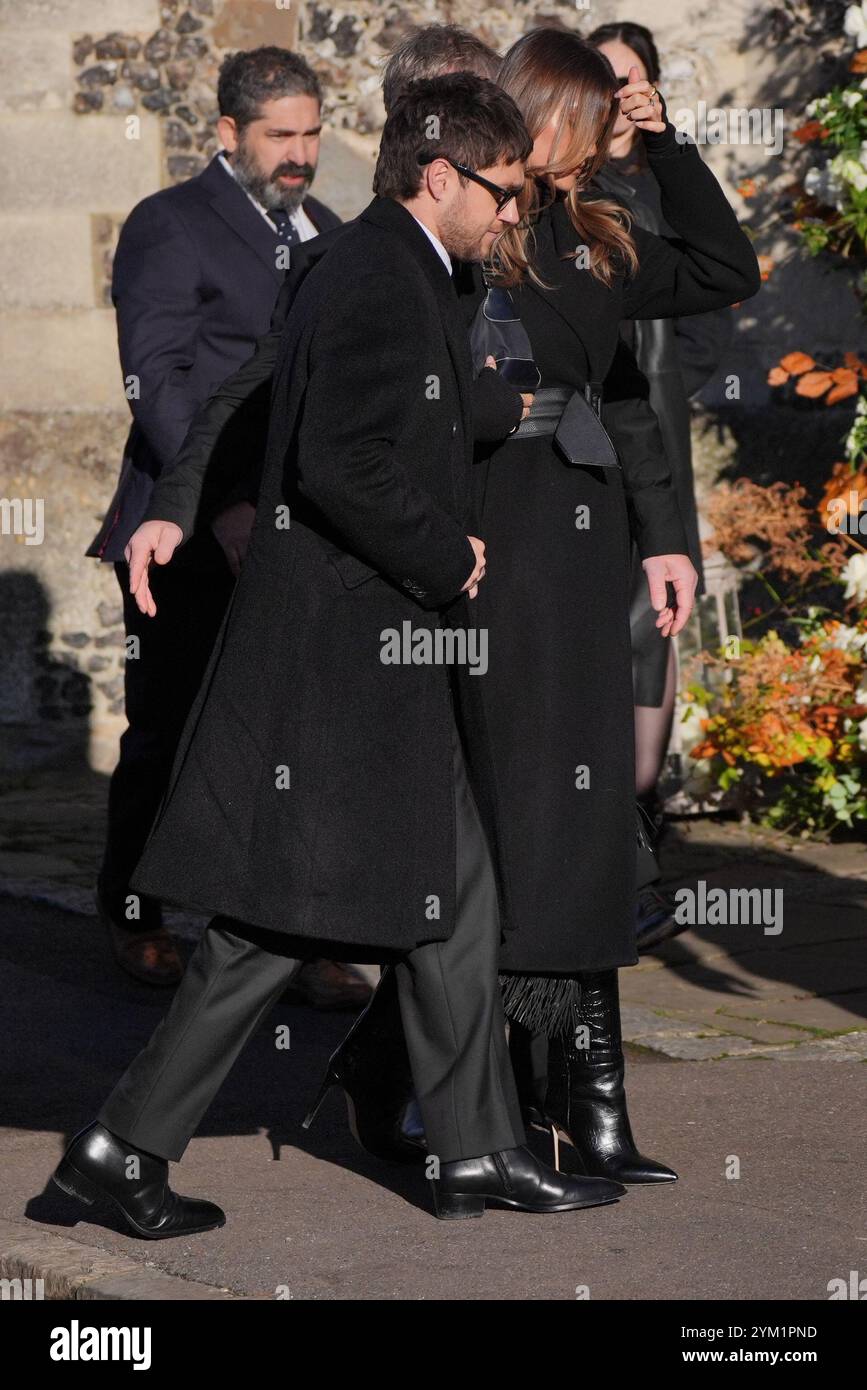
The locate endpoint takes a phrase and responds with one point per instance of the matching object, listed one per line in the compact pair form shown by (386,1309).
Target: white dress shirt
(435,243)
(299,219)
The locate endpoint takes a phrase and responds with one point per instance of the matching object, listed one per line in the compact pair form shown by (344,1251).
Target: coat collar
(229,200)
(575,295)
(392,217)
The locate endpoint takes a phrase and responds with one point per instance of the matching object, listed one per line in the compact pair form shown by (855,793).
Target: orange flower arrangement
(847,485)
(749,520)
(810,130)
(787,712)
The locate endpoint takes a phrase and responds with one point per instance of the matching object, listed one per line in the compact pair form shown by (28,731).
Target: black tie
(287,232)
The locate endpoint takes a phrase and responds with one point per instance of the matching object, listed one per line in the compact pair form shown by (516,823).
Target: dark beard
(458,244)
(265,188)
(456,240)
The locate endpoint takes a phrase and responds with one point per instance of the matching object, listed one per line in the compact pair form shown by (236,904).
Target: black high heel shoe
(371,1066)
(582,1099)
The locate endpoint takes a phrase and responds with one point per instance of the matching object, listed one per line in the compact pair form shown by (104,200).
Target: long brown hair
(549,70)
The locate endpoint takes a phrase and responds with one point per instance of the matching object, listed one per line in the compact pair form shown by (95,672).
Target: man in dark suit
(320,790)
(196,275)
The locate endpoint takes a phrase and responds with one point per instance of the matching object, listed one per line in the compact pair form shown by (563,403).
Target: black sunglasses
(503,196)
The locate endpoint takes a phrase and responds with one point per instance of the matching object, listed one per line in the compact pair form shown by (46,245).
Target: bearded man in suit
(196,275)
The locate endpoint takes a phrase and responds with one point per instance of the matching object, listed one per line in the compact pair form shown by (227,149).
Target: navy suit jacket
(194,285)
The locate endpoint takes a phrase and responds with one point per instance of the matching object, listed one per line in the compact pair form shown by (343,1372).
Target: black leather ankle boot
(371,1066)
(96,1167)
(585,1098)
(514,1178)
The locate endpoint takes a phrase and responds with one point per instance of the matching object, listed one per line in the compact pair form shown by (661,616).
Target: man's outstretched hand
(154,541)
(677,570)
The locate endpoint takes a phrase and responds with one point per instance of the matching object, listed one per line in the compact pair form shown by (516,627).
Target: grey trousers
(449,1002)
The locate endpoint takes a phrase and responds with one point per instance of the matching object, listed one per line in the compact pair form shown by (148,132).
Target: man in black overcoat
(320,791)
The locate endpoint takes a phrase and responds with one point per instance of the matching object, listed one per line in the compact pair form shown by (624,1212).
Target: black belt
(573,418)
(547,409)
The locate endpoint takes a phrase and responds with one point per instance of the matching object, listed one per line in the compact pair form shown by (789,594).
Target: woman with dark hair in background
(678,356)
(556,514)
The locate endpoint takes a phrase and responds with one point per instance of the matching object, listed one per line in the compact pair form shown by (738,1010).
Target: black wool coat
(312,791)
(677,356)
(557,697)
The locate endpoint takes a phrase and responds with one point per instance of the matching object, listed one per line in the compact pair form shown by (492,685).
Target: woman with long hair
(557,520)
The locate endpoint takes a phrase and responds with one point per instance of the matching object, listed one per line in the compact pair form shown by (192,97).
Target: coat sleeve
(654,514)
(711,262)
(231,429)
(497,407)
(350,447)
(155,289)
(234,422)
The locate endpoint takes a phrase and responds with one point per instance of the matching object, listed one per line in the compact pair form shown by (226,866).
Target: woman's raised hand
(641,102)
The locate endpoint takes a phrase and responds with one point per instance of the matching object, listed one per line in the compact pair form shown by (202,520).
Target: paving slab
(53,1268)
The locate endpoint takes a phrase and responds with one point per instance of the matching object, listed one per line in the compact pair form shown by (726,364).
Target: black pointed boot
(96,1168)
(372,1068)
(585,1098)
(514,1178)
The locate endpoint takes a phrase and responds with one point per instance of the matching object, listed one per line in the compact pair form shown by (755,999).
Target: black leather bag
(497,331)
(582,438)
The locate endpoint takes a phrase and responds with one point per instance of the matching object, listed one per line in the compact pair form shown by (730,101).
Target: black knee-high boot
(585,1098)
(372,1068)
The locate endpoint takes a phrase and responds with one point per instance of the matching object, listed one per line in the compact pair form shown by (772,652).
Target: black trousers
(192,594)
(449,1003)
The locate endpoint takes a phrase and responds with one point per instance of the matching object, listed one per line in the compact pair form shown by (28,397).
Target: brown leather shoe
(329,984)
(149,955)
